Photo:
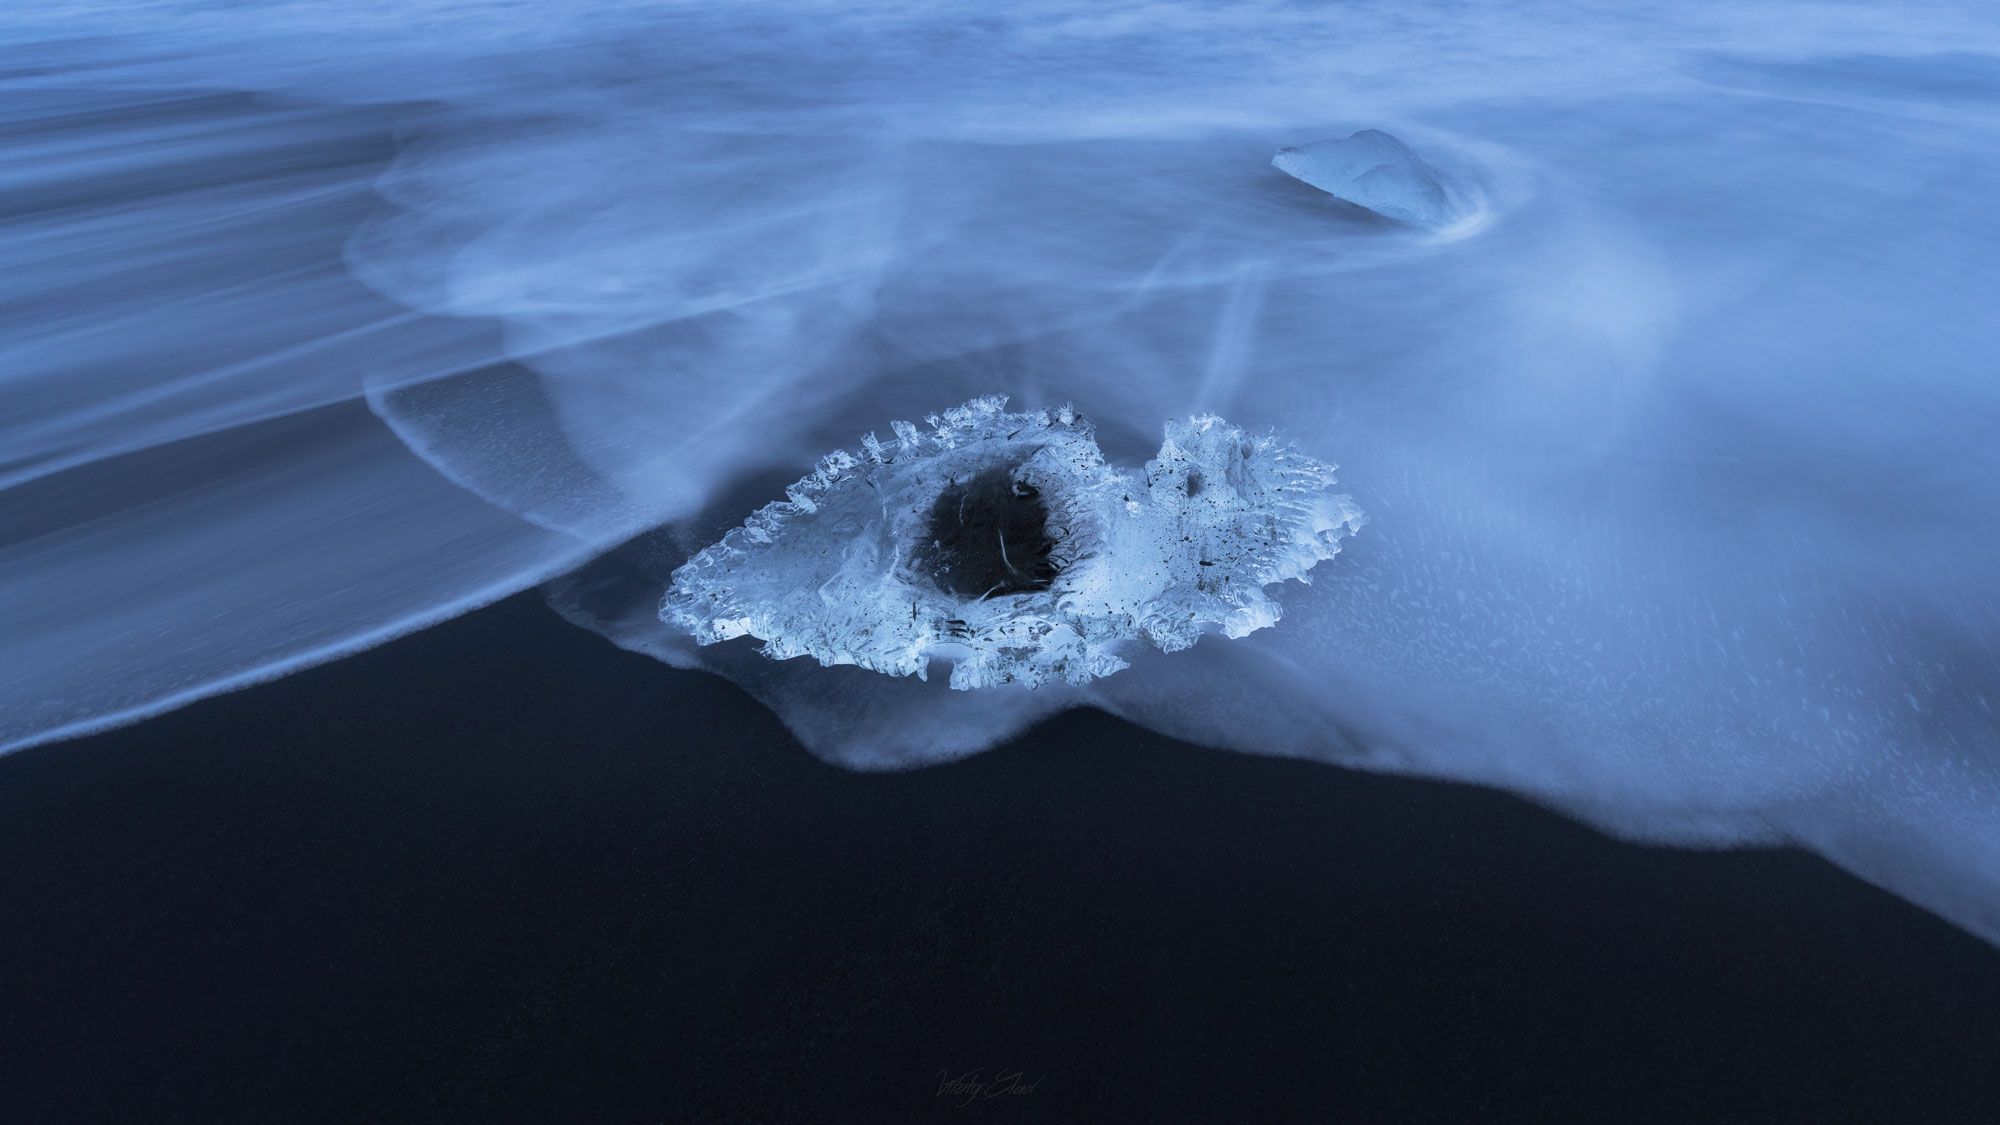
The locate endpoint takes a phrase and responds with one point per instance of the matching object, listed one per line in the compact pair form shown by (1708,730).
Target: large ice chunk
(1374,170)
(1004,542)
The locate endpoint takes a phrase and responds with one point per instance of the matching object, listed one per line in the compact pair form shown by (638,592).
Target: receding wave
(321,323)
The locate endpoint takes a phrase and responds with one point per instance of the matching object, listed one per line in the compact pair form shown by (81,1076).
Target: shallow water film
(1660,355)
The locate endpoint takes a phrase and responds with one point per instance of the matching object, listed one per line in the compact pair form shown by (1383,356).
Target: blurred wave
(321,323)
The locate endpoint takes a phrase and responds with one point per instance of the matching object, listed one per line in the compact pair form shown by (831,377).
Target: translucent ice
(1375,170)
(1005,542)
(322,322)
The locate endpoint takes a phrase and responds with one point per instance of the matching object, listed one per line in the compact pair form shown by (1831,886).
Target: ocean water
(324,323)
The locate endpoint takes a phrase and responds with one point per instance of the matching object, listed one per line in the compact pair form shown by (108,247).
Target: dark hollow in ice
(989,538)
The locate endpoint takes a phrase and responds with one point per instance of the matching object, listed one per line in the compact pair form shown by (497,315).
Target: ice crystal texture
(327,322)
(1004,542)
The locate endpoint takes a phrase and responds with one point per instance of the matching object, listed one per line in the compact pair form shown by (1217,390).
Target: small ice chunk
(1003,542)
(1374,170)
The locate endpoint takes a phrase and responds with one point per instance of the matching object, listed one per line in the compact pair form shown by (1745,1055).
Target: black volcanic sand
(501,870)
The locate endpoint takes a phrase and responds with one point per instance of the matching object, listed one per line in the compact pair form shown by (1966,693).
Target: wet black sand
(501,870)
